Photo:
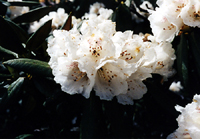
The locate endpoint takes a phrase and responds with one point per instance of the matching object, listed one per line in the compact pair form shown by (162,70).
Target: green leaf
(9,38)
(22,35)
(33,15)
(25,136)
(34,67)
(39,36)
(123,18)
(182,61)
(7,53)
(92,125)
(194,44)
(68,23)
(24,3)
(12,93)
(15,87)
(13,72)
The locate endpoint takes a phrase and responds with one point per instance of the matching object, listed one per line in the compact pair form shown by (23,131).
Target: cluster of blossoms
(188,121)
(112,63)
(58,19)
(17,10)
(172,16)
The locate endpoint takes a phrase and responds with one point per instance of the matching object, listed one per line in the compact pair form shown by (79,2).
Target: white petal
(191,13)
(110,81)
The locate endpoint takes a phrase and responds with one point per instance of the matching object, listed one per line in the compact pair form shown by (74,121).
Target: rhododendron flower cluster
(109,62)
(188,121)
(58,19)
(172,15)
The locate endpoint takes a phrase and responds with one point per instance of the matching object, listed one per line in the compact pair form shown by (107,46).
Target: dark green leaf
(31,66)
(92,124)
(12,93)
(182,60)
(13,72)
(15,87)
(3,8)
(123,18)
(33,15)
(9,38)
(5,52)
(25,136)
(68,23)
(24,3)
(39,36)
(194,44)
(22,35)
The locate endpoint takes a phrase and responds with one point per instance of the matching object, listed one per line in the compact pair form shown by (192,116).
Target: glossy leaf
(68,23)
(24,3)
(194,44)
(12,93)
(182,60)
(7,53)
(34,67)
(123,18)
(33,15)
(15,86)
(9,38)
(22,35)
(13,72)
(39,36)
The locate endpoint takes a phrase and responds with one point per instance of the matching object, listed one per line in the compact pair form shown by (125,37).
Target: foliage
(32,105)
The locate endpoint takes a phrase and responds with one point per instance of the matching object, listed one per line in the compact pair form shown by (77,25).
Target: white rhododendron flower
(188,121)
(112,63)
(17,10)
(94,9)
(97,9)
(58,19)
(176,87)
(172,15)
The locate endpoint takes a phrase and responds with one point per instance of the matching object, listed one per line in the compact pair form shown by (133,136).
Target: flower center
(76,73)
(106,74)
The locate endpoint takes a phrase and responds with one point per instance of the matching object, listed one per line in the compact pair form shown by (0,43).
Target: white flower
(58,19)
(176,87)
(191,13)
(112,63)
(172,15)
(17,10)
(82,62)
(97,9)
(188,121)
(94,9)
(165,20)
